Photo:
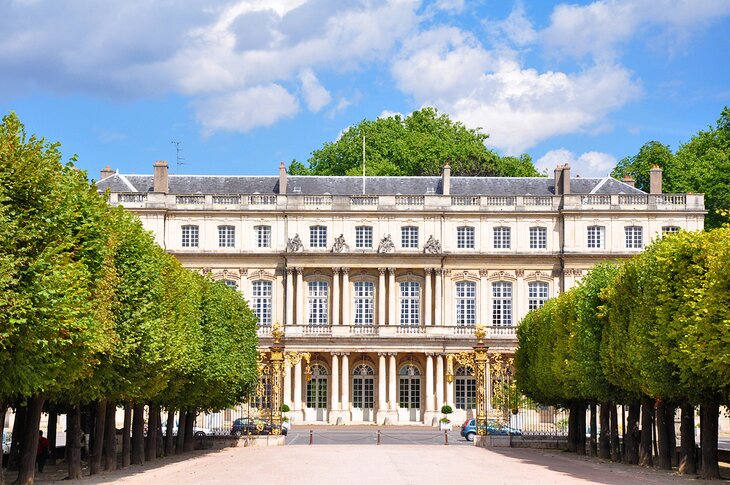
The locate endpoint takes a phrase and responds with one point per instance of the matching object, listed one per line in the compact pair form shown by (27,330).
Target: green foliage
(419,144)
(446,409)
(638,166)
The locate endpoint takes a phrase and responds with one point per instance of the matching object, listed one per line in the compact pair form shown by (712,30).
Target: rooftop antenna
(363,165)
(178,158)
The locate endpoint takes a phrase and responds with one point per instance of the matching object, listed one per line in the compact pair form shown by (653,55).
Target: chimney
(558,180)
(282,178)
(629,181)
(106,172)
(566,179)
(655,180)
(446,180)
(160,179)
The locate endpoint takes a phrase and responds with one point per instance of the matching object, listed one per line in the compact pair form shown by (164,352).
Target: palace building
(379,278)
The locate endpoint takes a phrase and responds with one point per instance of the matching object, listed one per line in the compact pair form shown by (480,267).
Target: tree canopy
(418,144)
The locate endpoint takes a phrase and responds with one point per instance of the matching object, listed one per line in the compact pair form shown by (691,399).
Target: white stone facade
(379,318)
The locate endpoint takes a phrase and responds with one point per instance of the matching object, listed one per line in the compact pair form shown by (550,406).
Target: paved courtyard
(385,464)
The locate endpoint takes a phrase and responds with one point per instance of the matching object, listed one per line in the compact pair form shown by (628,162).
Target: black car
(253,426)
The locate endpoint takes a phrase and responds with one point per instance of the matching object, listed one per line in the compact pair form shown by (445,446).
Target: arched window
(466,312)
(502,304)
(261,294)
(466,389)
(318,303)
(670,230)
(410,387)
(364,306)
(363,390)
(231,284)
(410,303)
(317,389)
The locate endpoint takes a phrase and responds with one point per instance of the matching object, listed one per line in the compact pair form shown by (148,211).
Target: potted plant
(284,418)
(445,422)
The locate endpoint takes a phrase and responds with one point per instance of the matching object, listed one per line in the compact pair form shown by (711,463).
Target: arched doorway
(409,397)
(363,393)
(317,394)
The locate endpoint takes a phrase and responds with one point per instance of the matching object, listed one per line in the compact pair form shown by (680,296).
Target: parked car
(197,431)
(7,439)
(255,426)
(469,429)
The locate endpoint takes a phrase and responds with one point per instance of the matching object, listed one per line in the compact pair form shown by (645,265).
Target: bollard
(378,437)
(310,436)
(446,438)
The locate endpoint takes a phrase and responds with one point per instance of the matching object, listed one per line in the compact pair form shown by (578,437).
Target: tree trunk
(633,434)
(687,458)
(614,441)
(138,434)
(151,442)
(647,413)
(51,435)
(158,430)
(664,453)
(169,443)
(189,424)
(126,433)
(97,444)
(594,425)
(73,442)
(572,428)
(30,440)
(581,435)
(604,443)
(18,425)
(709,413)
(110,437)
(181,431)
(672,433)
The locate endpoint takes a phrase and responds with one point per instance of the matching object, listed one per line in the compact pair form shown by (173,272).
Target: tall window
(318,237)
(409,396)
(364,291)
(410,303)
(226,236)
(466,389)
(537,294)
(363,237)
(363,391)
(263,236)
(465,237)
(502,238)
(466,313)
(409,236)
(190,236)
(317,389)
(538,238)
(596,237)
(634,237)
(261,294)
(669,230)
(318,304)
(502,304)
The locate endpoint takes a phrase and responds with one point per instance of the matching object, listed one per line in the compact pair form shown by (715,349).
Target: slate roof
(319,185)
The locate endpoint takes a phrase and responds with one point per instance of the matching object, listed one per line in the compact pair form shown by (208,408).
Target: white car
(7,440)
(197,431)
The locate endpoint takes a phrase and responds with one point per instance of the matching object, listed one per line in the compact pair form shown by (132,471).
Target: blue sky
(247,84)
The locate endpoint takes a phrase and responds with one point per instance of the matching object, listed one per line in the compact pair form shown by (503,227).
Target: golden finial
(277,332)
(480,333)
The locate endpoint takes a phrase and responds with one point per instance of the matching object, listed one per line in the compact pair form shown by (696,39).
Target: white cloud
(516,28)
(245,109)
(390,114)
(518,107)
(588,164)
(314,93)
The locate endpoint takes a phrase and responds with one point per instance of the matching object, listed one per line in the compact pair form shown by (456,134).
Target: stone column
(438,319)
(427,304)
(335,386)
(289,296)
(287,386)
(439,382)
(429,415)
(382,381)
(381,296)
(335,296)
(300,296)
(298,409)
(345,387)
(392,376)
(345,296)
(392,290)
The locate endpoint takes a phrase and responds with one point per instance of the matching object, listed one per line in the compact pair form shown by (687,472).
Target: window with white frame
(502,237)
(261,293)
(318,303)
(466,310)
(537,294)
(231,284)
(502,304)
(190,236)
(465,237)
(364,307)
(596,237)
(410,303)
(466,389)
(318,236)
(634,237)
(226,236)
(263,236)
(409,237)
(363,237)
(670,230)
(538,237)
